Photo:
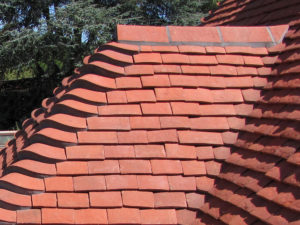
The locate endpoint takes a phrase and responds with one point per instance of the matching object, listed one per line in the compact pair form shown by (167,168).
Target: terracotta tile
(215,50)
(104,167)
(108,67)
(148,182)
(184,108)
(67,120)
(203,59)
(9,216)
(78,106)
(253,61)
(30,216)
(108,123)
(169,94)
(133,70)
(251,95)
(204,152)
(128,82)
(140,199)
(204,183)
(36,167)
(65,184)
(184,80)
(199,137)
(72,167)
(169,200)
(73,200)
(57,216)
(118,151)
(144,122)
(44,200)
(128,47)
(88,95)
(97,137)
(91,216)
(229,137)
(195,200)
(191,49)
(180,183)
(186,217)
(174,122)
(140,96)
(221,153)
(193,168)
(58,135)
(130,109)
(240,82)
(116,97)
(85,152)
(102,81)
(156,81)
(243,109)
(89,183)
(116,55)
(173,69)
(145,48)
(158,216)
(166,167)
(230,59)
(172,58)
(278,31)
(121,182)
(164,48)
(16,199)
(213,168)
(156,108)
(187,69)
(149,151)
(247,71)
(124,216)
(245,50)
(194,34)
(224,70)
(198,95)
(227,95)
(132,137)
(147,58)
(175,151)
(135,167)
(158,136)
(209,123)
(142,33)
(106,199)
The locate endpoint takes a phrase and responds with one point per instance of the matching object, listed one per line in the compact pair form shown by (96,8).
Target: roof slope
(146,133)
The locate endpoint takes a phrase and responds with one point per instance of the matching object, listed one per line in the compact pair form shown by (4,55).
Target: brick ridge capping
(262,36)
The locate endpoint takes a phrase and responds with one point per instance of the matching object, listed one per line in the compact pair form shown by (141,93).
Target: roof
(164,126)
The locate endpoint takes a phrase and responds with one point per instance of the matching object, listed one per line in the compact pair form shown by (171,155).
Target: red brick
(9,216)
(119,151)
(119,110)
(128,82)
(120,182)
(57,216)
(149,182)
(85,152)
(191,49)
(205,152)
(29,216)
(253,61)
(222,153)
(97,137)
(185,108)
(73,200)
(186,217)
(213,168)
(216,110)
(156,81)
(209,123)
(193,167)
(227,95)
(140,96)
(205,183)
(195,200)
(158,136)
(191,69)
(180,183)
(65,183)
(149,151)
(106,199)
(108,123)
(174,122)
(138,137)
(198,95)
(142,33)
(44,200)
(89,183)
(164,48)
(91,216)
(244,34)
(242,70)
(140,199)
(198,137)
(239,82)
(223,70)
(194,34)
(158,216)
(147,58)
(166,167)
(230,59)
(169,94)
(176,151)
(167,69)
(175,58)
(144,122)
(203,59)
(135,166)
(169,200)
(229,137)
(115,97)
(184,80)
(72,167)
(124,216)
(251,95)
(104,167)
(215,50)
(156,108)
